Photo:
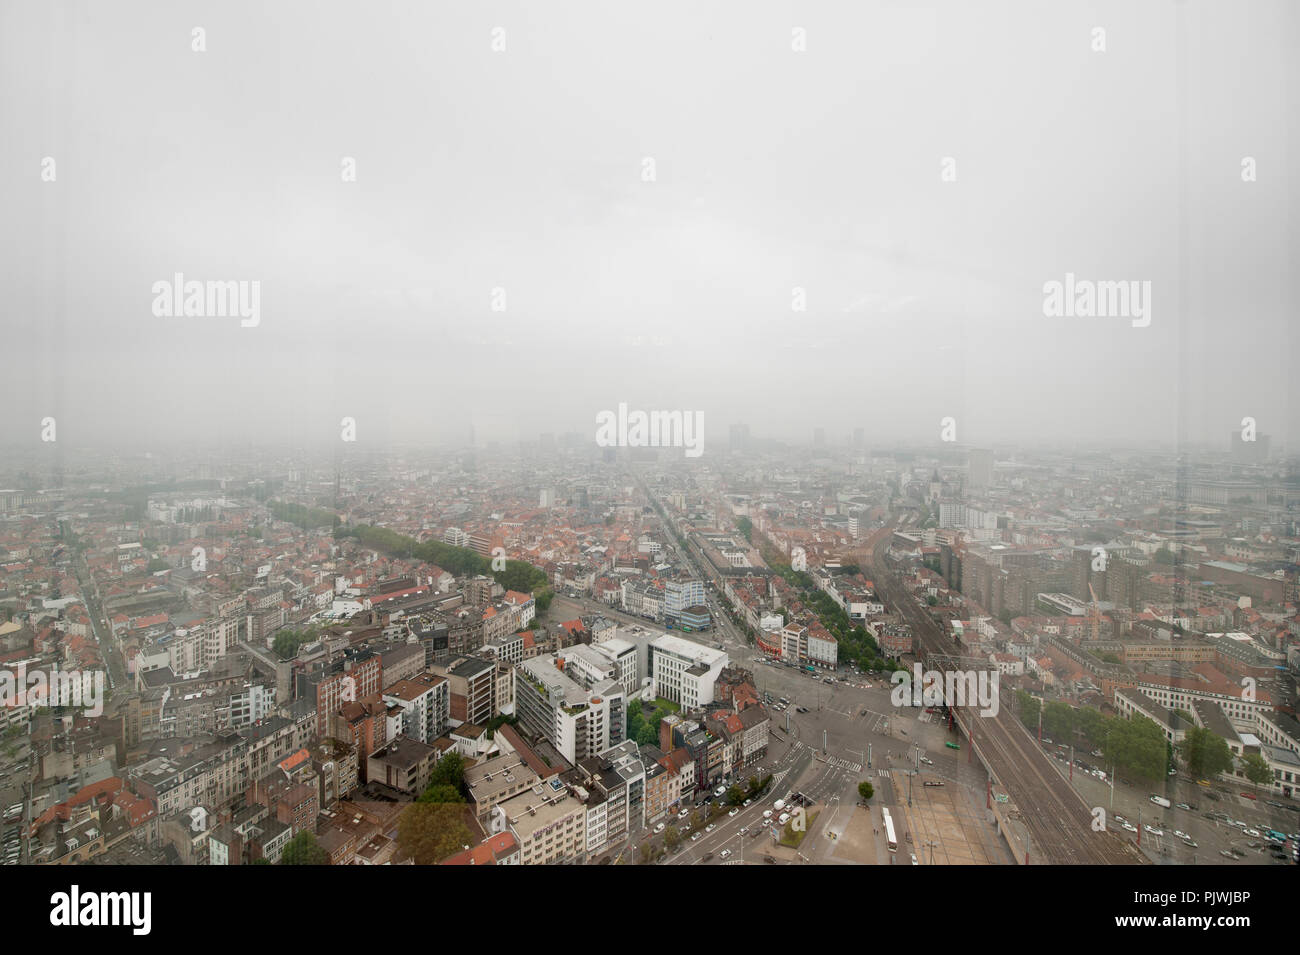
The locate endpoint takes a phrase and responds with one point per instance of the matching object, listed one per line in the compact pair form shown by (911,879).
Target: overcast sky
(523,170)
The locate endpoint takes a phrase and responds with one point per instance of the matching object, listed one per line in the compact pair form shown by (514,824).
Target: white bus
(889,831)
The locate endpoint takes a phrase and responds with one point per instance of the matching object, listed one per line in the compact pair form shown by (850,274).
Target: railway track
(1058,820)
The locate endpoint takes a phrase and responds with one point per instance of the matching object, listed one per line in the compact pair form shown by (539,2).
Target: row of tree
(300,515)
(516,575)
(1138,747)
(856,644)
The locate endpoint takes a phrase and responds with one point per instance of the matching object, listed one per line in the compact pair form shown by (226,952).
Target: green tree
(672,838)
(1256,768)
(1205,754)
(866,790)
(449,771)
(1136,747)
(303,849)
(441,793)
(1028,706)
(735,795)
(430,832)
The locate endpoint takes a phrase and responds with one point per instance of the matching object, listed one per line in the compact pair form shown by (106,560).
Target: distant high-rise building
(547,497)
(980,469)
(739,436)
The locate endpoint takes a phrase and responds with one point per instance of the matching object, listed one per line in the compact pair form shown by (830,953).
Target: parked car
(724,854)
(659,828)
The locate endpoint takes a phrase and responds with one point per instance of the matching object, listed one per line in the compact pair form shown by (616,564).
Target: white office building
(684,671)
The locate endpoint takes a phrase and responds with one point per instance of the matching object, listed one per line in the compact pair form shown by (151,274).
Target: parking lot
(1167,833)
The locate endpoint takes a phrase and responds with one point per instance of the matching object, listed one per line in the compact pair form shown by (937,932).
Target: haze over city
(478,171)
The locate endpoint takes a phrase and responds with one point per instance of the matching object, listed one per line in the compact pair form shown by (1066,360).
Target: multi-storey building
(472,682)
(579,722)
(419,708)
(684,671)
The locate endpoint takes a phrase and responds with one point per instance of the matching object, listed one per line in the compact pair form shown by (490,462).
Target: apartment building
(578,721)
(472,684)
(418,708)
(354,677)
(683,671)
(403,764)
(548,822)
(494,781)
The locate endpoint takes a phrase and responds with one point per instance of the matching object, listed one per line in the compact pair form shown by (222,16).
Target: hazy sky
(523,170)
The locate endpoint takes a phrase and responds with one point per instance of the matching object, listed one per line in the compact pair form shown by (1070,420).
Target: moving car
(659,828)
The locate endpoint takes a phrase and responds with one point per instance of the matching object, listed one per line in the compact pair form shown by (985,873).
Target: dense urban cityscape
(564,652)
(729,434)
